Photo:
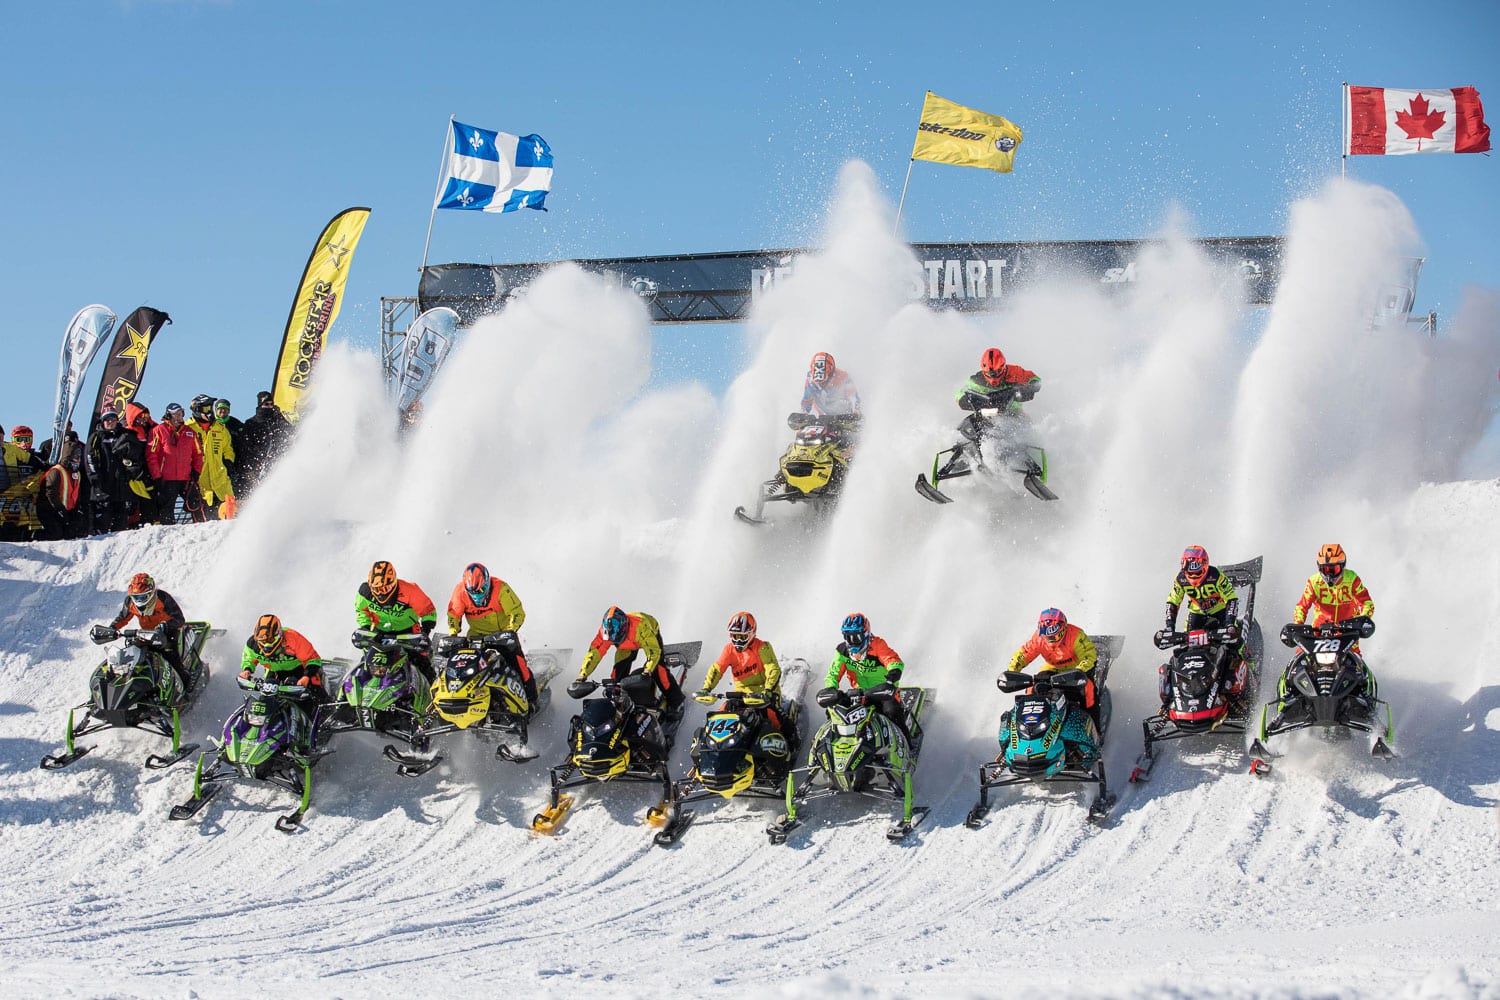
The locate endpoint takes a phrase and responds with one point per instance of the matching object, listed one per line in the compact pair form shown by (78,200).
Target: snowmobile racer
(828,391)
(285,657)
(158,611)
(631,634)
(1062,647)
(385,693)
(993,397)
(1213,606)
(874,667)
(1045,737)
(136,687)
(387,604)
(813,468)
(490,607)
(751,663)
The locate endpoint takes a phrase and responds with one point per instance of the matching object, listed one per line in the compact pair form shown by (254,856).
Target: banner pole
(902,203)
(1344,139)
(442,160)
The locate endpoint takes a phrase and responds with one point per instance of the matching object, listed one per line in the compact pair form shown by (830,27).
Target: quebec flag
(494,171)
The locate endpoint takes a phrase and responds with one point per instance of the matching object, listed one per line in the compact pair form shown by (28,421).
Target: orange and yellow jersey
(501,613)
(754,668)
(1075,651)
(1324,602)
(641,632)
(164,611)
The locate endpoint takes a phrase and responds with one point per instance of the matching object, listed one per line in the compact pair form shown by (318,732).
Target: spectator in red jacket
(174,457)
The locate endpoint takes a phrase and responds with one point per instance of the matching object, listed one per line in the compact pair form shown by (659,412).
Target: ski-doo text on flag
(487,171)
(1383,121)
(952,133)
(87,332)
(126,363)
(316,306)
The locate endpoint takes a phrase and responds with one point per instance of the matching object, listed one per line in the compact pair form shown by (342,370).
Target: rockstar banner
(127,359)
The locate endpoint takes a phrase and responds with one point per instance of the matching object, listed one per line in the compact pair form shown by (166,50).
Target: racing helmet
(1195,564)
(268,635)
(741,629)
(477,583)
(202,406)
(142,591)
(992,367)
(821,368)
(856,629)
(1331,560)
(616,623)
(383,582)
(1050,625)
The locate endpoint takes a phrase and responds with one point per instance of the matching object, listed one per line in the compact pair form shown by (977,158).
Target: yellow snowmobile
(813,468)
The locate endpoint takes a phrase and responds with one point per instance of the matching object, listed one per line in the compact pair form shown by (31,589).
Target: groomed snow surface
(1171,417)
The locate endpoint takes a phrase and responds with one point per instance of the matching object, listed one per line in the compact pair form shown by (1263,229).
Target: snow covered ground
(1170,418)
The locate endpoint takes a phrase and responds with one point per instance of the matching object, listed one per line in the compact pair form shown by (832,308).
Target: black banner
(127,360)
(970,277)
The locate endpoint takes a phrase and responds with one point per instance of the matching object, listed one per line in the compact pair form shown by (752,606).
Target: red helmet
(477,583)
(821,369)
(1050,625)
(142,591)
(742,629)
(1194,564)
(1331,560)
(382,582)
(992,366)
(20,433)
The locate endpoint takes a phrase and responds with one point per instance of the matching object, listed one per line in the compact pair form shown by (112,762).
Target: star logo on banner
(476,141)
(140,343)
(336,252)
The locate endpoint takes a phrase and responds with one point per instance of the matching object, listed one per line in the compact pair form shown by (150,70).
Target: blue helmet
(614,625)
(856,629)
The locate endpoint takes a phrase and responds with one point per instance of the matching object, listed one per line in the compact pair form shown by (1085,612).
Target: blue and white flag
(87,332)
(494,171)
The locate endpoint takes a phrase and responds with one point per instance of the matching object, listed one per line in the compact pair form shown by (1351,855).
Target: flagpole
(902,203)
(1344,138)
(442,161)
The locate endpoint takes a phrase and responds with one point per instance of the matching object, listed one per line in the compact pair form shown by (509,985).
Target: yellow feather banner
(316,307)
(952,133)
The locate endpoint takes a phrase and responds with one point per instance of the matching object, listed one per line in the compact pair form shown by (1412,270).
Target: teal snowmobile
(737,753)
(1000,431)
(271,738)
(1194,678)
(1326,687)
(860,750)
(1049,737)
(136,688)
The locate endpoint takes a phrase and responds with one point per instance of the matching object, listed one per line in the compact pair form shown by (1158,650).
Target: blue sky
(186,154)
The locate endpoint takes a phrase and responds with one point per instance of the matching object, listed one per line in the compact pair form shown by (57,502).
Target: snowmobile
(860,750)
(481,691)
(269,738)
(813,468)
(624,735)
(1001,428)
(1201,703)
(1048,736)
(384,693)
(136,688)
(1324,687)
(736,752)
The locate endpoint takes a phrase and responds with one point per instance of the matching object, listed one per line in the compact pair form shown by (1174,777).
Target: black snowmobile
(1325,688)
(999,430)
(813,468)
(624,735)
(136,688)
(1198,675)
(737,752)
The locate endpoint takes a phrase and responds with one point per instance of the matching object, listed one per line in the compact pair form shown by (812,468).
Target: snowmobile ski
(410,765)
(159,761)
(190,808)
(1143,765)
(778,829)
(551,817)
(669,833)
(1380,748)
(976,816)
(930,491)
(748,518)
(56,762)
(518,754)
(898,831)
(1100,807)
(1037,488)
(290,823)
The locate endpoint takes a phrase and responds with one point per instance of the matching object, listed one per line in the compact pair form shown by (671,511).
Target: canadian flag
(1390,122)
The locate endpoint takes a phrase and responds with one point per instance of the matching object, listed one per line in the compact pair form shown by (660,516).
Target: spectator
(174,457)
(236,428)
(109,483)
(23,474)
(57,508)
(218,455)
(132,448)
(267,434)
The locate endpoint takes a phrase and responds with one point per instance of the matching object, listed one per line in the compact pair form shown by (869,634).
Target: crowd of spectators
(134,470)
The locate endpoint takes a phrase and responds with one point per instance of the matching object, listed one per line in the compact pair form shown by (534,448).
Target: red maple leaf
(1421,123)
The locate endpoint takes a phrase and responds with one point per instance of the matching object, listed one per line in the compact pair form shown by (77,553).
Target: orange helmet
(382,582)
(1331,560)
(821,369)
(742,629)
(1194,564)
(142,591)
(992,366)
(268,635)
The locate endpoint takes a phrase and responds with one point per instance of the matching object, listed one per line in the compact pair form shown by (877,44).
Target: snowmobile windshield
(256,712)
(598,714)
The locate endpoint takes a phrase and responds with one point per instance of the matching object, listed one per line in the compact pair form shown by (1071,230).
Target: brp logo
(1249,269)
(644,287)
(1005,144)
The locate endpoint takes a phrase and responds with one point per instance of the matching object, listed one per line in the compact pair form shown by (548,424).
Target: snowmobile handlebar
(263,686)
(842,421)
(582,688)
(100,634)
(1062,680)
(389,642)
(1361,627)
(1218,636)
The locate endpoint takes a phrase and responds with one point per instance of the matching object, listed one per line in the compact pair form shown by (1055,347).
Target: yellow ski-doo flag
(952,133)
(316,307)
